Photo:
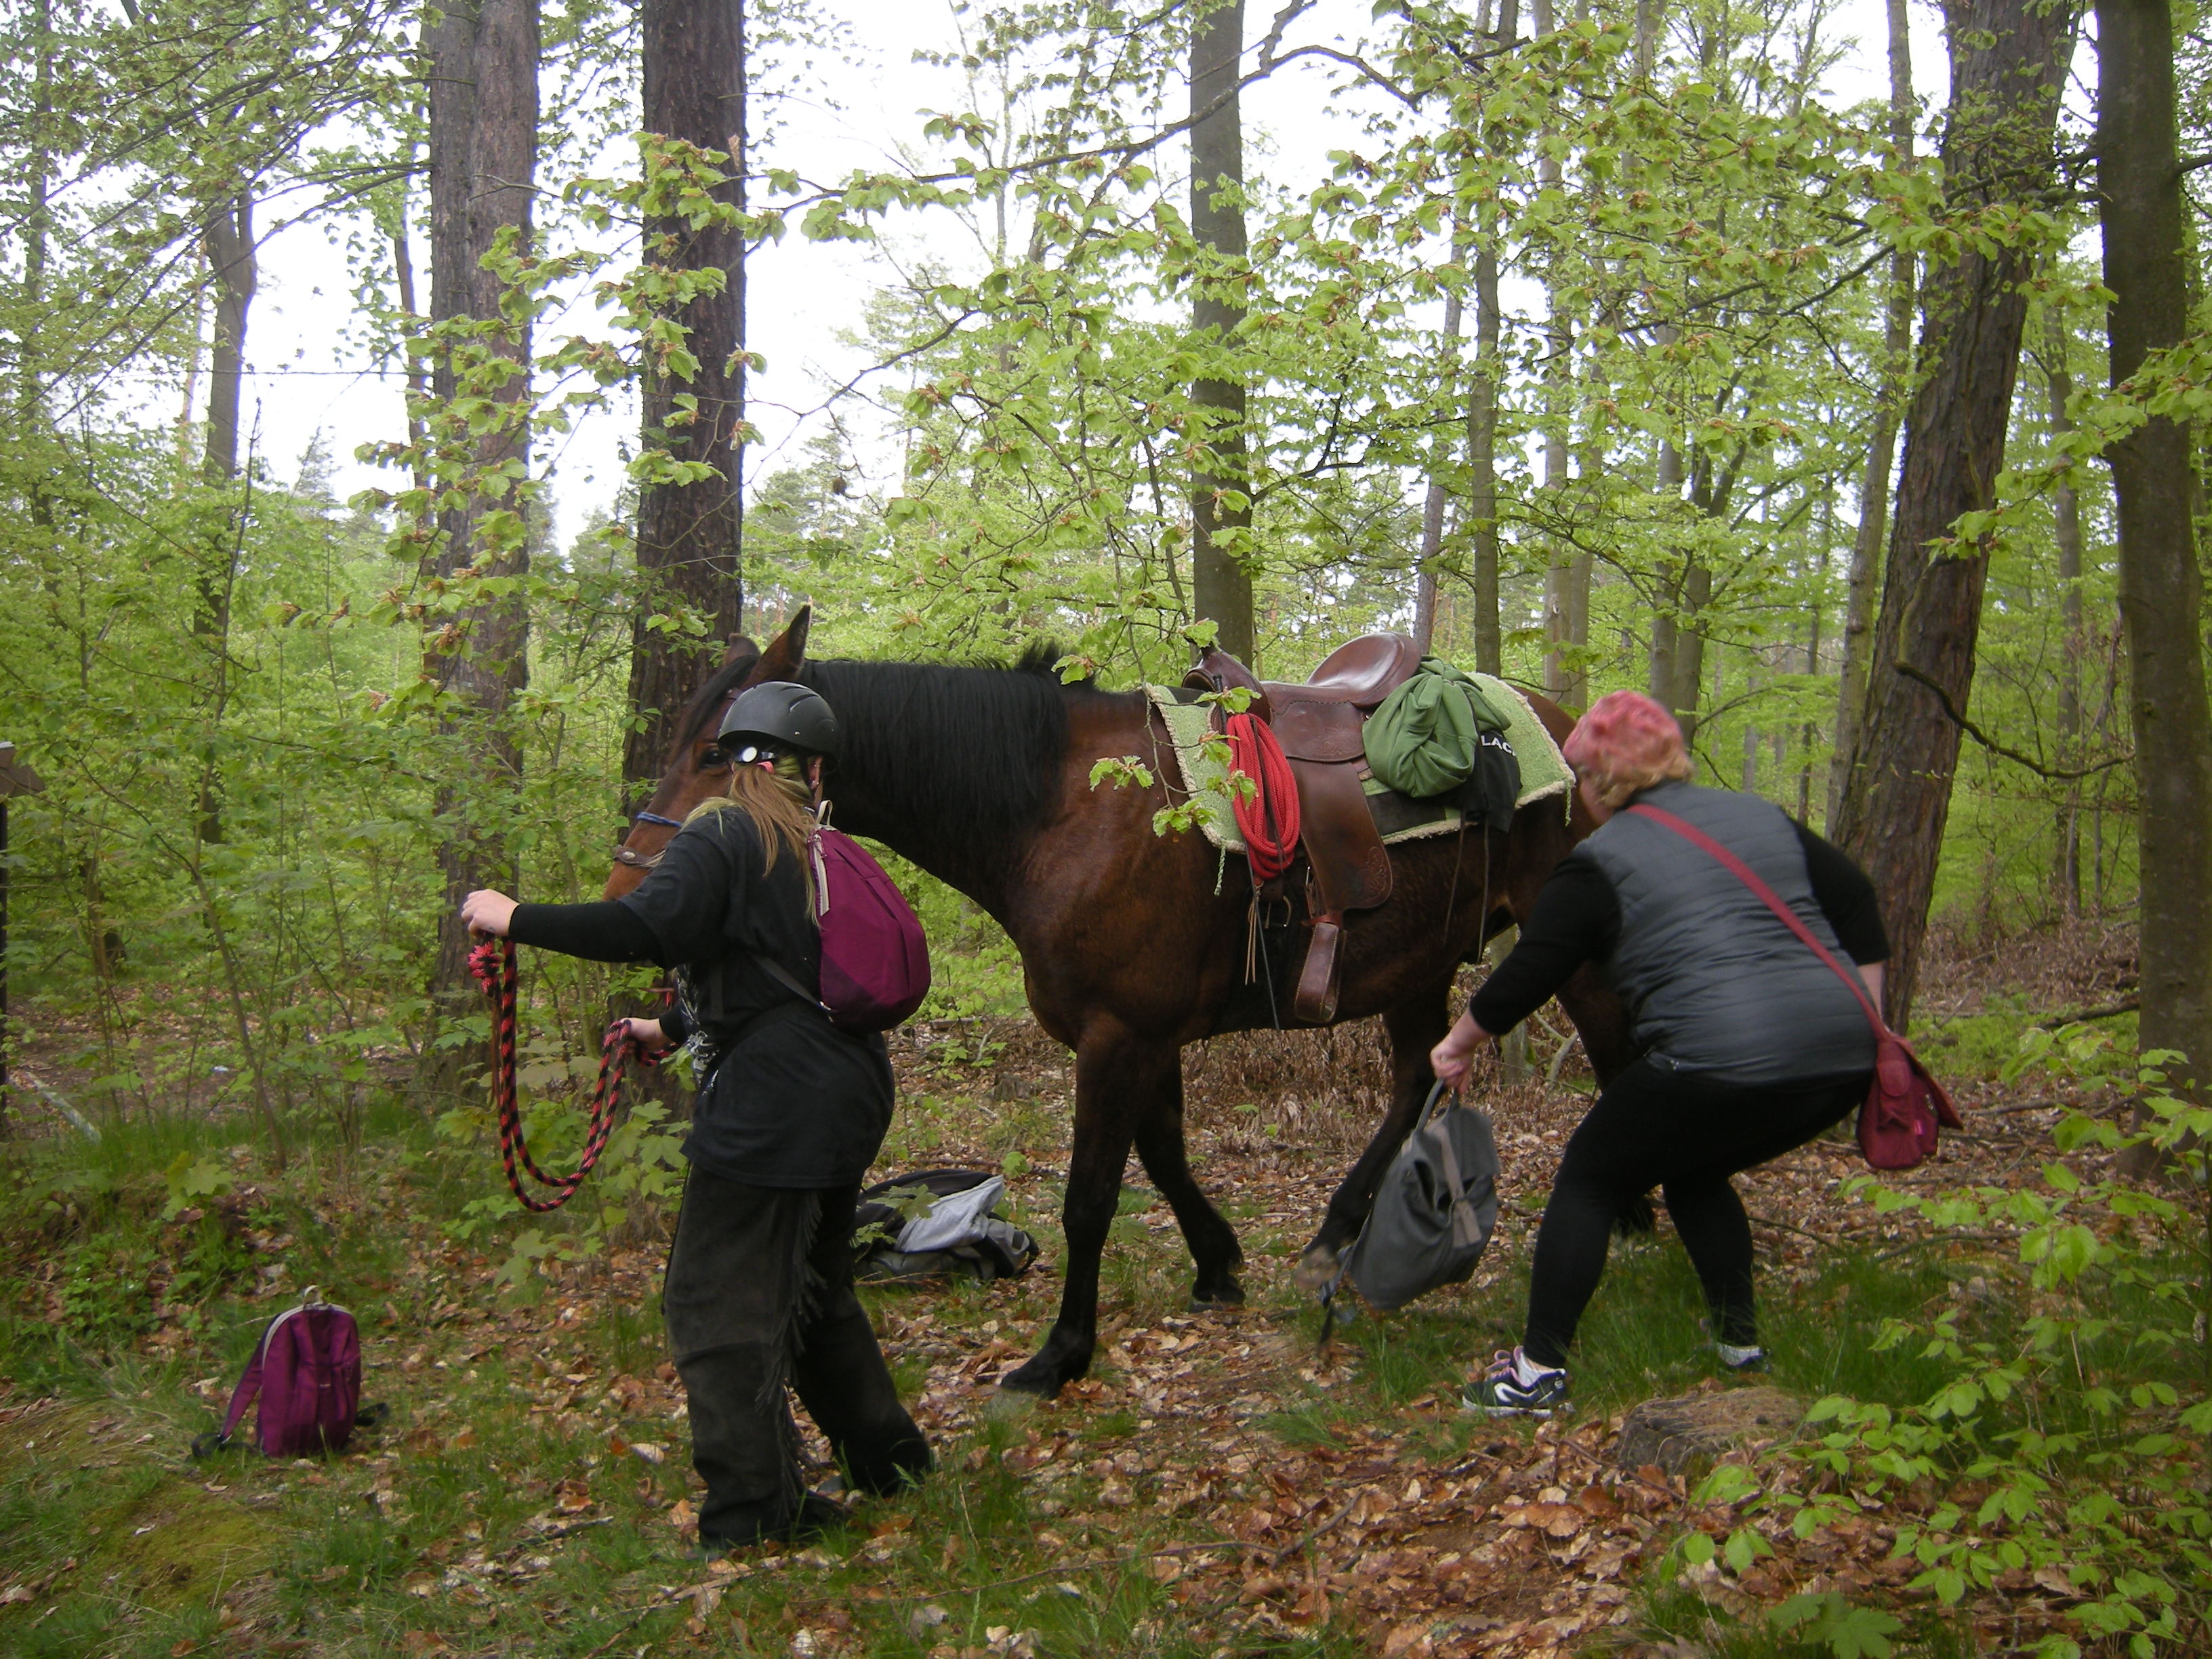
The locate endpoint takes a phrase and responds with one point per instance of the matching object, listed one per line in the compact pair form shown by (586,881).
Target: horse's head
(695,771)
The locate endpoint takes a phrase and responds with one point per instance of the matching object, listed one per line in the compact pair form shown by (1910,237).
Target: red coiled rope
(1269,820)
(492,964)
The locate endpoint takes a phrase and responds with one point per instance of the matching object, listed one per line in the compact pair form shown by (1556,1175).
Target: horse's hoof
(1316,1270)
(1034,1380)
(1229,1301)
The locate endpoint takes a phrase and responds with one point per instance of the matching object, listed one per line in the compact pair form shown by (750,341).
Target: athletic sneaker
(1515,1386)
(1734,1358)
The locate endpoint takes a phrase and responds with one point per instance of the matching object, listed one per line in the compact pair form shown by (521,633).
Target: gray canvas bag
(1434,1212)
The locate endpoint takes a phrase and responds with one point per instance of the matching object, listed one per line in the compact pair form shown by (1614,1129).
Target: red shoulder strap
(1742,873)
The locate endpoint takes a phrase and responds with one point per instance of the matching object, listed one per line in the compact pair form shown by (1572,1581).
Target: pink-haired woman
(1747,1044)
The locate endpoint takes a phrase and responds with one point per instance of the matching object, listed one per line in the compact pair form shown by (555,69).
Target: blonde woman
(1749,1045)
(791,1110)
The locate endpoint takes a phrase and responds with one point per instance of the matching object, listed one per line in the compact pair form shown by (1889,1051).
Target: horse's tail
(1634,1217)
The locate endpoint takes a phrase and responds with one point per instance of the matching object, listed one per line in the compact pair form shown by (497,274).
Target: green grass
(432,1528)
(427,1530)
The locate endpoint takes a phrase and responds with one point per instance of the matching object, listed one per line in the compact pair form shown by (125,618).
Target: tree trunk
(1220,484)
(2009,61)
(228,240)
(484,153)
(688,535)
(1482,460)
(1482,419)
(1878,476)
(2066,528)
(418,383)
(1567,574)
(2139,183)
(1433,504)
(38,180)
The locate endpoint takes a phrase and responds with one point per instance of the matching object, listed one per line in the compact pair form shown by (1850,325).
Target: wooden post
(15,779)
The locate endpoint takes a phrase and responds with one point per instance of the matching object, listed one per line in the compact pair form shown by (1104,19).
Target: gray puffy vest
(1714,982)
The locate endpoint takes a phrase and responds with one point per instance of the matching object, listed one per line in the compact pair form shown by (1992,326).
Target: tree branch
(2056,775)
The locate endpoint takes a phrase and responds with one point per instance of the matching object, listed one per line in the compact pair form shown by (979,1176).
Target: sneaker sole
(1485,1408)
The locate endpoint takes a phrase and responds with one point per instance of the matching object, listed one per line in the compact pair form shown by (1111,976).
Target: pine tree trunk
(1220,502)
(1878,476)
(2139,181)
(2008,62)
(690,535)
(484,153)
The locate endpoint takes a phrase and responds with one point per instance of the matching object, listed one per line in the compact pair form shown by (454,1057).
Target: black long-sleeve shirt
(606,930)
(789,1100)
(1576,918)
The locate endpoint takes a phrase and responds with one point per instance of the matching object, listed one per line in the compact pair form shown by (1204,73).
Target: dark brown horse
(980,776)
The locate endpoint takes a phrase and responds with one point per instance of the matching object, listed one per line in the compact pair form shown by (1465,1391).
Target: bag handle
(1436,1092)
(1742,872)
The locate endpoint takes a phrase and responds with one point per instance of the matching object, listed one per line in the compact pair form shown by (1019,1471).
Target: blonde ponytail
(780,805)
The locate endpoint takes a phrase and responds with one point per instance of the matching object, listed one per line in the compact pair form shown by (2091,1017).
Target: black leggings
(1688,1132)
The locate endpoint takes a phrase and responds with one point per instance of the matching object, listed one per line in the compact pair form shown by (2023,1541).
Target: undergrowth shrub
(2064,1450)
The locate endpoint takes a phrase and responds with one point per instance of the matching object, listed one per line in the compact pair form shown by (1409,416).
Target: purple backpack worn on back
(875,962)
(306,1369)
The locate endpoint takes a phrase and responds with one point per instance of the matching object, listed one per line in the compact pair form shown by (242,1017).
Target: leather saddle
(1319,726)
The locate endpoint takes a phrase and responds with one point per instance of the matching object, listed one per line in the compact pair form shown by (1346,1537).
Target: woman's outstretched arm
(606,929)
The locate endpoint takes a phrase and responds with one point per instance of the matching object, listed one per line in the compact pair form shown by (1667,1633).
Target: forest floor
(1217,1485)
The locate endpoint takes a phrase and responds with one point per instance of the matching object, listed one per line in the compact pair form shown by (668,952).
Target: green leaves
(1849,1633)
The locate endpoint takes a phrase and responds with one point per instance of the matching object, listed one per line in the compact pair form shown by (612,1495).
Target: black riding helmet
(779,716)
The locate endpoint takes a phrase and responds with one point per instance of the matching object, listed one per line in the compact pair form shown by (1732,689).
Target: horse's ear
(787,653)
(739,646)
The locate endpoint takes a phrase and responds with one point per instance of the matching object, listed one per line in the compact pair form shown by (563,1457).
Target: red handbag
(1903,1110)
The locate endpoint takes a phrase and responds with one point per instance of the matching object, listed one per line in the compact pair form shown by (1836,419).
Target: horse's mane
(707,701)
(981,742)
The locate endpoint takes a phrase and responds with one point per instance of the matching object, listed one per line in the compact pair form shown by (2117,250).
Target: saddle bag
(1434,1211)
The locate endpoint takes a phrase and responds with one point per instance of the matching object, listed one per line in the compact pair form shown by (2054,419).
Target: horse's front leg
(1416,1025)
(1118,1079)
(1213,1241)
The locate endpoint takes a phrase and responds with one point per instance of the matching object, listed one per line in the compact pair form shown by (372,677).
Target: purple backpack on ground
(875,962)
(307,1370)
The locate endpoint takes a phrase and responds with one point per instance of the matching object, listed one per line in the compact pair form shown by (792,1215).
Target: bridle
(637,860)
(633,858)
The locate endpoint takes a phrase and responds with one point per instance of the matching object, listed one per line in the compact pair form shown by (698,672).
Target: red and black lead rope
(492,963)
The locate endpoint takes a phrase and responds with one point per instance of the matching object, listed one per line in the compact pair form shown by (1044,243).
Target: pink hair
(1626,742)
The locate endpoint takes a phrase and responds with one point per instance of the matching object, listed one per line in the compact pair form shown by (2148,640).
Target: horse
(1132,946)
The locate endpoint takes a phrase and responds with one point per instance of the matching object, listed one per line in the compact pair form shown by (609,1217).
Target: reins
(492,963)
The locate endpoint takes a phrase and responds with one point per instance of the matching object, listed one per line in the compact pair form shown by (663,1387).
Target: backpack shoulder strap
(783,976)
(1742,872)
(242,1396)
